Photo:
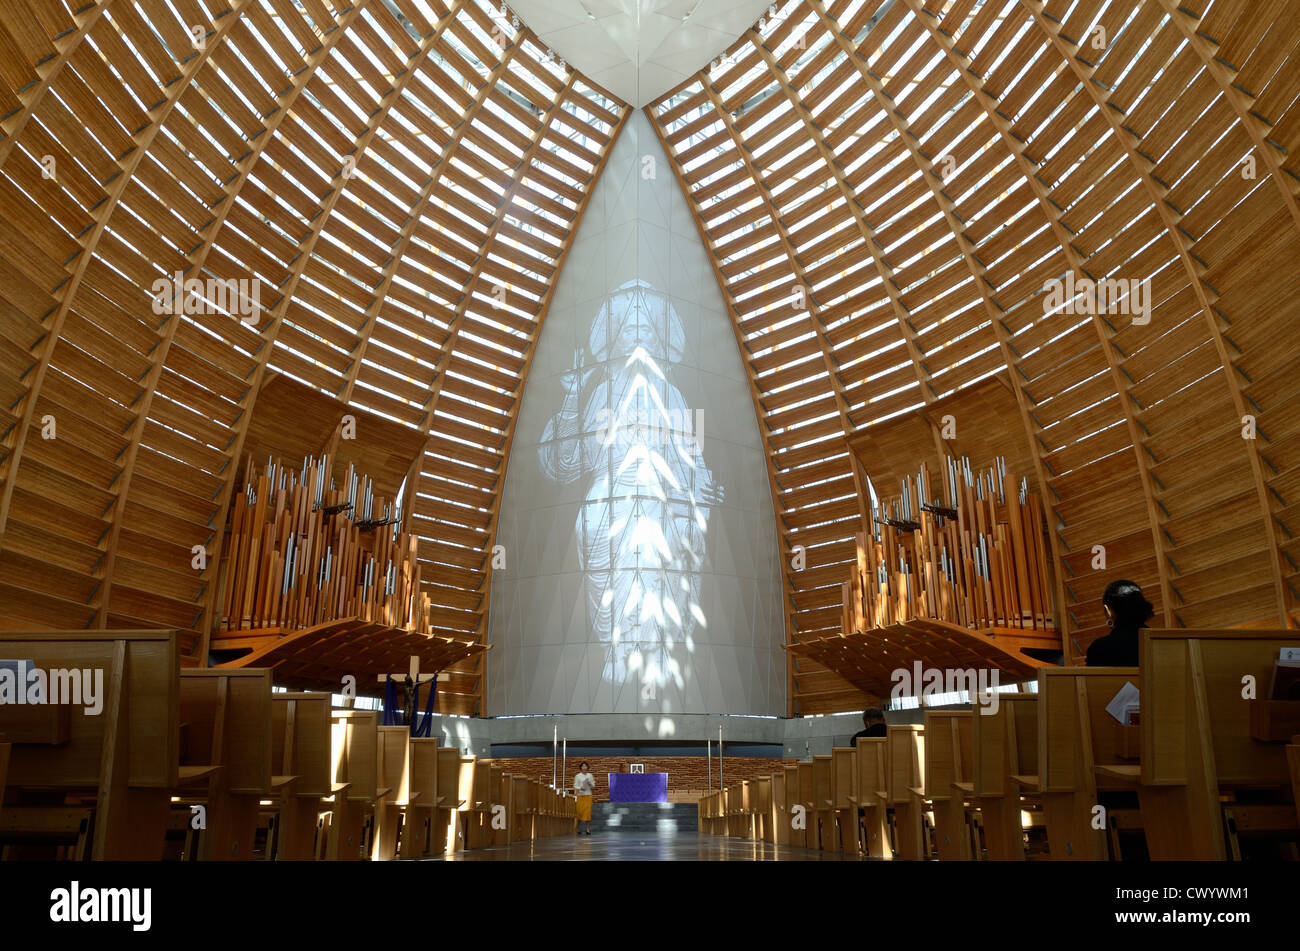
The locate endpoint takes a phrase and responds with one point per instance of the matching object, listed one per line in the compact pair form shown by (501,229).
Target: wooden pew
(1197,742)
(761,806)
(542,823)
(807,836)
(731,802)
(478,809)
(790,798)
(949,762)
(356,789)
(498,824)
(126,758)
(1005,749)
(1081,748)
(393,756)
(226,749)
(905,783)
(450,800)
(844,798)
(463,815)
(872,795)
(1293,762)
(520,809)
(746,817)
(300,760)
(418,832)
(823,805)
(570,813)
(779,817)
(5,746)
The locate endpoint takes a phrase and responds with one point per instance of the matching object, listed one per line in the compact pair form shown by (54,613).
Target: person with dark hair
(1127,612)
(873,719)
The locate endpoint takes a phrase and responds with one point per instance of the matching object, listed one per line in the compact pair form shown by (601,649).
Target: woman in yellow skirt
(583,784)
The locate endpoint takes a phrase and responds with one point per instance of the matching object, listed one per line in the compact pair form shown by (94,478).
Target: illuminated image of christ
(625,429)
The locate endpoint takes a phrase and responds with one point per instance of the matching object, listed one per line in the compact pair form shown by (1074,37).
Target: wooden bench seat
(225,758)
(1003,744)
(355,788)
(300,760)
(1197,743)
(872,761)
(1082,754)
(949,763)
(904,775)
(124,761)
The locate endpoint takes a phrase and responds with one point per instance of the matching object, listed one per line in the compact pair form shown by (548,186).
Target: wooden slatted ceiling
(379,168)
(924,166)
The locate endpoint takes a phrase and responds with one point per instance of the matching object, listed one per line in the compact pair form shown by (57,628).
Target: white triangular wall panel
(629,541)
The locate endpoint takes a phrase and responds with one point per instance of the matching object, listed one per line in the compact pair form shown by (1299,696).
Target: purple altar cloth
(638,787)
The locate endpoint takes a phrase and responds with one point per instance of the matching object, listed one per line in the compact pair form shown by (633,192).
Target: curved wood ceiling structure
(923,169)
(402,180)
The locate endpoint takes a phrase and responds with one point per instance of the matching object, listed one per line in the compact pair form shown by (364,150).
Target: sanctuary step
(666,818)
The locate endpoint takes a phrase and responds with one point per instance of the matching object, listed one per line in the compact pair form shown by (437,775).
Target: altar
(638,787)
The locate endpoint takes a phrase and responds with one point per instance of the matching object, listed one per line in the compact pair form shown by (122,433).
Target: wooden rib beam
(979,273)
(986,101)
(408,232)
(277,316)
(67,46)
(1236,97)
(458,320)
(865,228)
(284,105)
(127,169)
(1157,193)
(812,310)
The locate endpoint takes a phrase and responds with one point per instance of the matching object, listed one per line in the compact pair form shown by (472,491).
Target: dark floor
(645,847)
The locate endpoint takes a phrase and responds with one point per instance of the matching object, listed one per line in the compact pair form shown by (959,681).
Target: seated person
(1127,611)
(873,719)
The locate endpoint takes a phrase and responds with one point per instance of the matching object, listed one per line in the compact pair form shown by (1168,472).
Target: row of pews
(1210,772)
(171,763)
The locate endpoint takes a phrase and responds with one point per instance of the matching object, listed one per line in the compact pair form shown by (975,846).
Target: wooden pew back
(423,787)
(140,697)
(949,756)
(822,782)
(300,740)
(1004,744)
(355,751)
(449,777)
(844,777)
(1192,694)
(393,763)
(873,769)
(906,765)
(226,718)
(1075,733)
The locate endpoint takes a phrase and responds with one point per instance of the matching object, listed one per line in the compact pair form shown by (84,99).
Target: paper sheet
(1126,699)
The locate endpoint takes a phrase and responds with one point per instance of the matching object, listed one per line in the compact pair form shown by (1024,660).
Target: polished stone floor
(645,847)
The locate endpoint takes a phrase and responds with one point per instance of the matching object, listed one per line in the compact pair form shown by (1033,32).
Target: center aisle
(642,847)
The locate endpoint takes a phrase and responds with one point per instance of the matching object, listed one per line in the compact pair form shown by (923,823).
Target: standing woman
(583,784)
(1127,611)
